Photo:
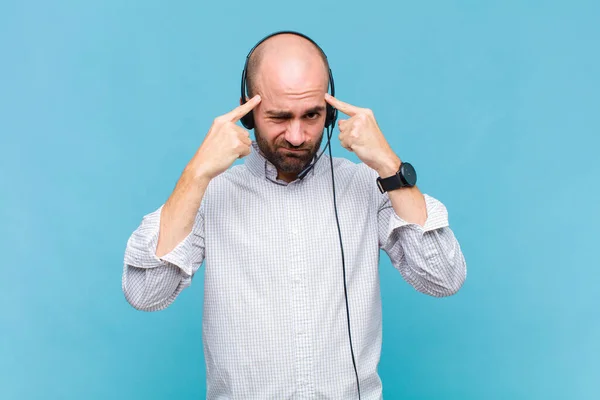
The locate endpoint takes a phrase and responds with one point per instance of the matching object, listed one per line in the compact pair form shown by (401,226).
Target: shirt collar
(261,167)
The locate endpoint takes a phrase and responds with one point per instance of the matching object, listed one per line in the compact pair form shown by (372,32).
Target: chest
(287,227)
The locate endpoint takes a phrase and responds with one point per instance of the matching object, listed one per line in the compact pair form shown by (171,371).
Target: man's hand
(361,135)
(224,143)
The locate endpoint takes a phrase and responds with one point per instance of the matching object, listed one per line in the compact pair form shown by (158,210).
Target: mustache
(292,147)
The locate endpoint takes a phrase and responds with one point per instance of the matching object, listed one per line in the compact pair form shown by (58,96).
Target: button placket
(300,290)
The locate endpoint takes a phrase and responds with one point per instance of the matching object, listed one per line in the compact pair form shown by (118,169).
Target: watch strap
(397,180)
(390,183)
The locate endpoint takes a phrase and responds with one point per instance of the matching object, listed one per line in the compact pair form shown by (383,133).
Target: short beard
(287,163)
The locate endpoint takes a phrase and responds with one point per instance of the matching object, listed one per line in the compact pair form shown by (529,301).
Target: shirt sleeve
(428,257)
(151,283)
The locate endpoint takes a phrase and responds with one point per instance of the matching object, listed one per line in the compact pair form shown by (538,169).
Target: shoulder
(222,186)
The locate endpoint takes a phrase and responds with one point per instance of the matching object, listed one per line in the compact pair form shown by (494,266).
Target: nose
(294,134)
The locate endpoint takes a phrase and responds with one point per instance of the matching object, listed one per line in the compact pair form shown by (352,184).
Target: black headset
(330,118)
(248,119)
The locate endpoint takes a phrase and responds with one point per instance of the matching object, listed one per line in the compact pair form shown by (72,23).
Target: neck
(286,177)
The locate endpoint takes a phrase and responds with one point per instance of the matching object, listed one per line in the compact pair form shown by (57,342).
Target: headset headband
(248,119)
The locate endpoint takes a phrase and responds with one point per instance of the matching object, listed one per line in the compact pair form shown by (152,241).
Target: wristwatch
(405,177)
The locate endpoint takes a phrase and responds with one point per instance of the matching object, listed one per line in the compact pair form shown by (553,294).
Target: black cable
(343,262)
(306,170)
(301,175)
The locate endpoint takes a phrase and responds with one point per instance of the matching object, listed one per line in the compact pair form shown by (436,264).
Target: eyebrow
(288,114)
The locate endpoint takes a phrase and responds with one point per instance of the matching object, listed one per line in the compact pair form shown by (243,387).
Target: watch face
(409,174)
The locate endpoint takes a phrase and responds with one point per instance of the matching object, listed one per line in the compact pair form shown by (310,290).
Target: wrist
(403,175)
(389,167)
(198,175)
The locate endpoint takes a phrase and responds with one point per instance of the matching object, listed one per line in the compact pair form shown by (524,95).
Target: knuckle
(244,149)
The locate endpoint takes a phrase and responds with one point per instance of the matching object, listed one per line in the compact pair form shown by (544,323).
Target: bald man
(275,322)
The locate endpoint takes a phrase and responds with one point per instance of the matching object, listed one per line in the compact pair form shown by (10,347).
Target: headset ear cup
(331,116)
(248,121)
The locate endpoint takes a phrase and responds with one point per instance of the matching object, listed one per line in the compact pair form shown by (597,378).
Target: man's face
(290,118)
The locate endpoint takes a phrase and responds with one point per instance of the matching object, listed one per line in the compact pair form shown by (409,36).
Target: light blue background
(496,104)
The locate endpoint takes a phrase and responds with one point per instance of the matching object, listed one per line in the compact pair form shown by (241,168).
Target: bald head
(286,57)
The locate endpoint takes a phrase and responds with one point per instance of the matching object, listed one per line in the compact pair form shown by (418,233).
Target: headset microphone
(306,170)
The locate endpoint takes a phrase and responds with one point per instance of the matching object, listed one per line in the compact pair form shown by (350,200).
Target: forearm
(179,212)
(167,249)
(409,203)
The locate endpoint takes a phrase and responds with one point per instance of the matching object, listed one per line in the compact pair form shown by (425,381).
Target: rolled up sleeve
(151,283)
(429,257)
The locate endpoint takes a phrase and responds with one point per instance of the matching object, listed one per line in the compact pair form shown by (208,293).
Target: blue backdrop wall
(496,103)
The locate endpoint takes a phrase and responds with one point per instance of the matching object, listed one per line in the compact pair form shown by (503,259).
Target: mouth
(294,150)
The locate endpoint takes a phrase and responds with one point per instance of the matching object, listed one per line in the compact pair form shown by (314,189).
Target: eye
(313,115)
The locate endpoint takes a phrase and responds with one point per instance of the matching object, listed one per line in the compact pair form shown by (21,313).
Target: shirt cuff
(437,217)
(141,249)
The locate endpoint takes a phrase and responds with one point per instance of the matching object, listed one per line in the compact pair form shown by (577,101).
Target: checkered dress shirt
(274,319)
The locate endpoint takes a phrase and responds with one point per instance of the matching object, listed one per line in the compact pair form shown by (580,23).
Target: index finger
(241,110)
(346,108)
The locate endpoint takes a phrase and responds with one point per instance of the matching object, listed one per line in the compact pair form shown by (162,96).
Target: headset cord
(329,131)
